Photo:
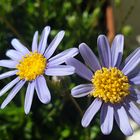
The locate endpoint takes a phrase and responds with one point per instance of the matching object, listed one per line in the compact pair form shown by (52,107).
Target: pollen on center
(31,66)
(110,85)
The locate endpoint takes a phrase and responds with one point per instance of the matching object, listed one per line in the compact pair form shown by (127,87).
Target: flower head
(111,84)
(30,66)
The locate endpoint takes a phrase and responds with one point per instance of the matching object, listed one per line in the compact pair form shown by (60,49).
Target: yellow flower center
(110,85)
(31,66)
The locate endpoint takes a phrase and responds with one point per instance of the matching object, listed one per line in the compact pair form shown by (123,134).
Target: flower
(30,66)
(113,85)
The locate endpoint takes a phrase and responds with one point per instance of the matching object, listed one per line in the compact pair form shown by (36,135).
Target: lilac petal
(80,68)
(60,70)
(131,55)
(62,57)
(42,90)
(122,120)
(132,62)
(35,42)
(8,63)
(135,95)
(82,90)
(8,74)
(19,47)
(29,97)
(106,118)
(133,110)
(89,57)
(104,51)
(117,50)
(12,94)
(53,45)
(90,112)
(134,73)
(43,40)
(14,55)
(9,85)
(135,80)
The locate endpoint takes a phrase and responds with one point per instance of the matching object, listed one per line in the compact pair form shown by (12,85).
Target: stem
(76,105)
(11,27)
(129,13)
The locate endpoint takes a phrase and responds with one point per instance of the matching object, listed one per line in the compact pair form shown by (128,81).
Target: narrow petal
(62,57)
(80,68)
(43,40)
(135,80)
(42,90)
(8,86)
(12,94)
(53,45)
(106,118)
(104,51)
(135,95)
(134,73)
(91,111)
(14,55)
(132,62)
(117,50)
(89,57)
(29,97)
(8,74)
(132,54)
(19,47)
(8,63)
(133,111)
(60,70)
(122,120)
(35,42)
(82,90)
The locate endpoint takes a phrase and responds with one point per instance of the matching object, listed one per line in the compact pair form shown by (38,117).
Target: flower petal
(131,55)
(82,90)
(62,57)
(19,47)
(8,63)
(29,96)
(104,51)
(9,85)
(89,57)
(122,120)
(135,80)
(35,42)
(106,118)
(43,40)
(14,55)
(135,95)
(8,74)
(53,45)
(91,111)
(117,50)
(80,68)
(60,70)
(12,94)
(133,110)
(132,62)
(42,90)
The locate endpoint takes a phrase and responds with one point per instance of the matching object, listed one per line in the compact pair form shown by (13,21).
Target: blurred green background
(83,21)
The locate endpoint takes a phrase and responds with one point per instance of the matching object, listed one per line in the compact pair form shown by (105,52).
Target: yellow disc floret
(110,85)
(31,66)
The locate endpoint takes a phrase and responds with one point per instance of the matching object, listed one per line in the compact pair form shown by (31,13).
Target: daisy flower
(30,66)
(111,84)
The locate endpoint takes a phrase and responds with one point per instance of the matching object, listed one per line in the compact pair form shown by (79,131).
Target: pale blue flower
(110,58)
(35,81)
